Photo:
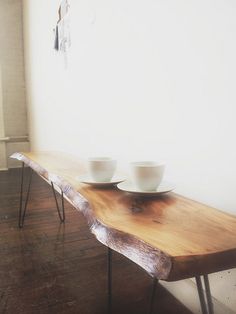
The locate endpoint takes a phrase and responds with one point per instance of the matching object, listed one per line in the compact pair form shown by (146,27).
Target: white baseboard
(186,292)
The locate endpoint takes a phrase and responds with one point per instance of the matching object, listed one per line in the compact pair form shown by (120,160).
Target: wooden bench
(171,237)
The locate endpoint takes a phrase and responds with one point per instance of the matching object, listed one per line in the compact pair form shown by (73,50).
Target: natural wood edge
(155,262)
(37,168)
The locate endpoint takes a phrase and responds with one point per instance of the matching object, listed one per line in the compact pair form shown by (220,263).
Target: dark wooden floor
(48,267)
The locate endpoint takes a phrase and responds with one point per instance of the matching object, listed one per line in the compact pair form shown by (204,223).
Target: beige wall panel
(13,108)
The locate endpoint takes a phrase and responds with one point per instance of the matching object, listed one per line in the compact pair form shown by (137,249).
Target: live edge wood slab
(171,237)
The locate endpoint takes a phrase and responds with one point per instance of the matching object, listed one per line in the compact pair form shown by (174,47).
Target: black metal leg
(154,285)
(22,210)
(206,307)
(109,281)
(208,295)
(61,215)
(201,295)
(21,193)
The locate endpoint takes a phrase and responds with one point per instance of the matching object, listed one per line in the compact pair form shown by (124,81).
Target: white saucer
(128,186)
(88,180)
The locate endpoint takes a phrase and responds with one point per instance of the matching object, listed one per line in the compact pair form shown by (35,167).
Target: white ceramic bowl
(147,175)
(101,169)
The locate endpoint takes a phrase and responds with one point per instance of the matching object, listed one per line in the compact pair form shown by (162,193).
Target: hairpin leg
(61,215)
(201,295)
(208,295)
(109,282)
(22,209)
(154,285)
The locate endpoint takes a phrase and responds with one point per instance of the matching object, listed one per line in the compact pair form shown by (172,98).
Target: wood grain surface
(171,237)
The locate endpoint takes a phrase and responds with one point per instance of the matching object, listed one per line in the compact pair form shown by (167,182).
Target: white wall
(144,79)
(13,117)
